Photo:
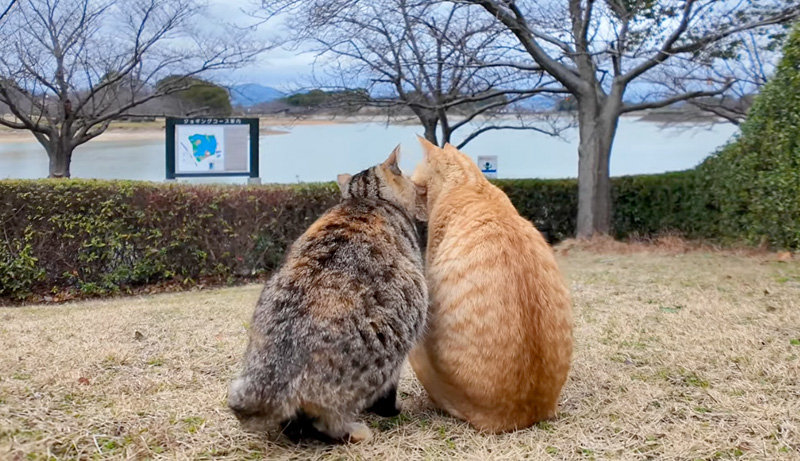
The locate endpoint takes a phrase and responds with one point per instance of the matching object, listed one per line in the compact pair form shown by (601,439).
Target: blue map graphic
(203,146)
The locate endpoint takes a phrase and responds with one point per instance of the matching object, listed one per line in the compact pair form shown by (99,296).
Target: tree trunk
(445,124)
(60,154)
(597,118)
(430,131)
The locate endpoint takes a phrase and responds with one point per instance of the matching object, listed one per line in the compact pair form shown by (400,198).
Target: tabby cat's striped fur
(334,325)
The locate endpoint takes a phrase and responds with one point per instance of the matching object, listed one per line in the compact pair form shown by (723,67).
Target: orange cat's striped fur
(499,341)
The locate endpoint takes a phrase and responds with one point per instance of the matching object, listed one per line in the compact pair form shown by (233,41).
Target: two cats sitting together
(486,321)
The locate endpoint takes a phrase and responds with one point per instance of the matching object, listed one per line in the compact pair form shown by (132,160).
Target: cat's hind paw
(358,432)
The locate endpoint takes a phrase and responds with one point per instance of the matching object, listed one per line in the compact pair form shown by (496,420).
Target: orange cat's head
(443,168)
(385,182)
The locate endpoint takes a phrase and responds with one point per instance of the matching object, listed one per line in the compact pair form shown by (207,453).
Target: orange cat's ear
(427,147)
(391,162)
(343,180)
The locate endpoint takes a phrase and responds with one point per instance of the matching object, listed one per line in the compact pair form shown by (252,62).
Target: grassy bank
(678,356)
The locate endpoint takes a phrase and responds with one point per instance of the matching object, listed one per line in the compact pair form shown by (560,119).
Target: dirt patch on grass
(679,356)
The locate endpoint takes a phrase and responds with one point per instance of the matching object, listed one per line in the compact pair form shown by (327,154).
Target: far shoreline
(114,135)
(154,131)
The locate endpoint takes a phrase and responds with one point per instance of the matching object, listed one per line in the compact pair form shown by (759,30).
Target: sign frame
(172,122)
(490,160)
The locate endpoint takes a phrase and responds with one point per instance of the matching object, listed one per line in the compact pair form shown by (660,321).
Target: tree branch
(672,100)
(513,19)
(733,116)
(668,49)
(7,9)
(480,131)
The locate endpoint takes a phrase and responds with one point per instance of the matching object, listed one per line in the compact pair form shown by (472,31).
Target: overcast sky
(277,68)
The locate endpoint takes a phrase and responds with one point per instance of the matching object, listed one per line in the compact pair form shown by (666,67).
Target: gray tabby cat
(334,325)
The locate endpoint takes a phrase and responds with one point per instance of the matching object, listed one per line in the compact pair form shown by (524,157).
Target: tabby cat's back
(499,343)
(335,323)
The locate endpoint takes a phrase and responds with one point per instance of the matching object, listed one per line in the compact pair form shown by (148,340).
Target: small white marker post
(488,165)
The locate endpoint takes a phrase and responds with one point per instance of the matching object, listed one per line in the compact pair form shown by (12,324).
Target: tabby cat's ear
(427,147)
(343,180)
(391,162)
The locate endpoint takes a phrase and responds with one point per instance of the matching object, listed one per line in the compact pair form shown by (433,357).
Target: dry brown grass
(678,356)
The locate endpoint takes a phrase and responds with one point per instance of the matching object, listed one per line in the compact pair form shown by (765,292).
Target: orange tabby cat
(499,341)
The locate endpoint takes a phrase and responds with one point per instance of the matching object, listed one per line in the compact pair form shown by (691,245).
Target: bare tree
(437,61)
(4,11)
(68,68)
(751,63)
(601,50)
(747,68)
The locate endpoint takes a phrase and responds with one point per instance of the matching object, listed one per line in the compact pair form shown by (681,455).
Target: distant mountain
(250,94)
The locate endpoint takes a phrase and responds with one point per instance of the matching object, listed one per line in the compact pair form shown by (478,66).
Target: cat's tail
(266,392)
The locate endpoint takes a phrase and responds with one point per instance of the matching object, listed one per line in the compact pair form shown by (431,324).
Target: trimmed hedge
(648,205)
(99,237)
(551,204)
(754,181)
(643,205)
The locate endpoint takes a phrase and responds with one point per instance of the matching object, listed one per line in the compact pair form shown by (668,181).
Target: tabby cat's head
(385,182)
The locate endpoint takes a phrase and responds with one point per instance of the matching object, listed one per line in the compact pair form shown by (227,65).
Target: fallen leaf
(84,381)
(138,336)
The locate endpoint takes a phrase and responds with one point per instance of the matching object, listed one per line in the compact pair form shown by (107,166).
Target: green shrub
(754,181)
(649,205)
(19,269)
(644,205)
(99,237)
(551,204)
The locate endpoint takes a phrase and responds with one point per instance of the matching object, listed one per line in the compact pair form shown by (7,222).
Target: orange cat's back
(499,341)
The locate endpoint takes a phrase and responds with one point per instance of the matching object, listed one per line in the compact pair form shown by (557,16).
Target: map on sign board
(488,165)
(201,148)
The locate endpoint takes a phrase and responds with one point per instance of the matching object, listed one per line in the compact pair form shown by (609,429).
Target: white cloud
(280,68)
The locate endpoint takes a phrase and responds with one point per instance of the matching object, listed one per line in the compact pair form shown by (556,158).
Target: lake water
(319,152)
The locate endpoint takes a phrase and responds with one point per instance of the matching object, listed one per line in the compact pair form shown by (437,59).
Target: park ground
(679,355)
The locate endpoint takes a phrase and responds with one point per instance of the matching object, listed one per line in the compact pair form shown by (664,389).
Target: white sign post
(488,165)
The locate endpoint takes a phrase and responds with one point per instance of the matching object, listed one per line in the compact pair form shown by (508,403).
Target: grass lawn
(678,356)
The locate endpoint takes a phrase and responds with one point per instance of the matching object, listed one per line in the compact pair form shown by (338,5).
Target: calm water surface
(319,152)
